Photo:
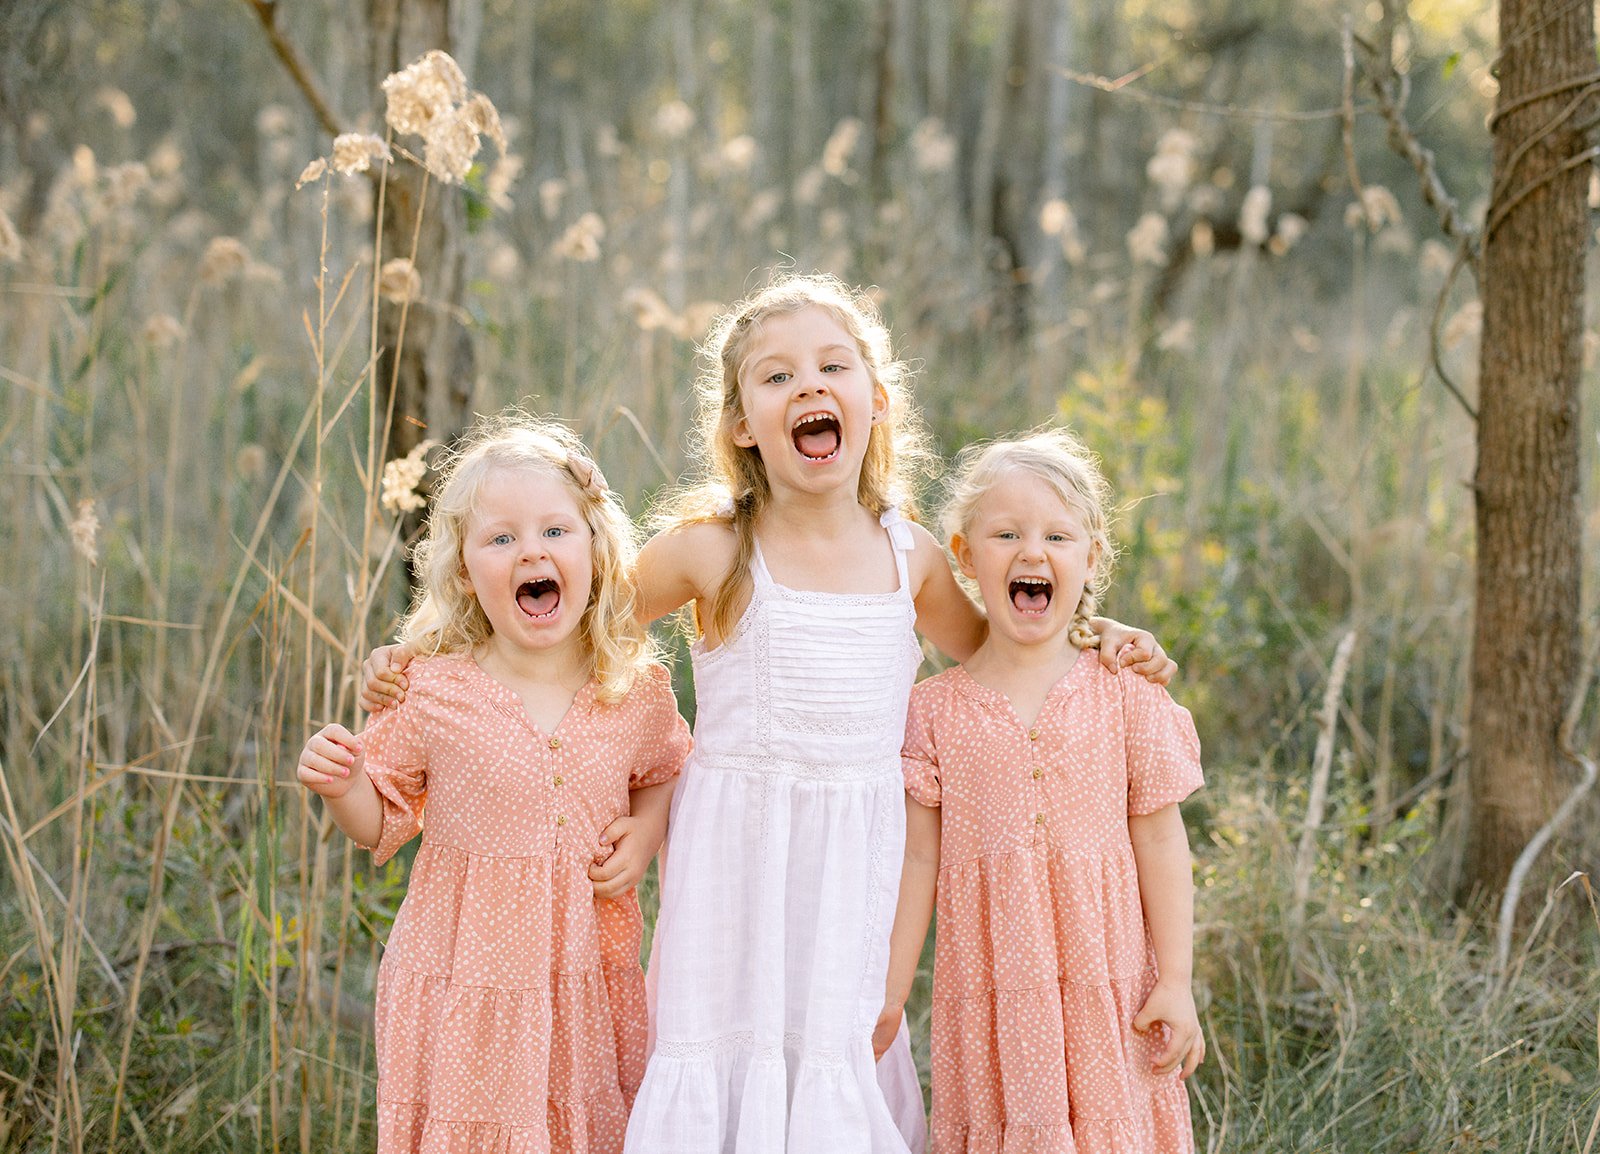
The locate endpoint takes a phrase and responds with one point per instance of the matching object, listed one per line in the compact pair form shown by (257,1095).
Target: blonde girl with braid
(1043,821)
(537,743)
(808,582)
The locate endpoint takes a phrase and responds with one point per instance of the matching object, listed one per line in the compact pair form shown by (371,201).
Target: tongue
(537,605)
(1028,601)
(822,443)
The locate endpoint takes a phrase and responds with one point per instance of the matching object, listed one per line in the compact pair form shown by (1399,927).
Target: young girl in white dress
(782,861)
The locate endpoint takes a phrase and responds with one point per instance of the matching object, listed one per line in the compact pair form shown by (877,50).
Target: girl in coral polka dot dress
(538,739)
(1043,811)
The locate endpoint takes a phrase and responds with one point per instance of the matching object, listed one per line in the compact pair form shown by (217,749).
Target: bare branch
(1387,88)
(1462,257)
(267,12)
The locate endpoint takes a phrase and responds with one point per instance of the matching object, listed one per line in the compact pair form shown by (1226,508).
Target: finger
(332,751)
(607,870)
(1142,1021)
(1109,658)
(1197,1054)
(327,767)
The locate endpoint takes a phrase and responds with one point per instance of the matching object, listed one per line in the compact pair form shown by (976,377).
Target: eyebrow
(825,351)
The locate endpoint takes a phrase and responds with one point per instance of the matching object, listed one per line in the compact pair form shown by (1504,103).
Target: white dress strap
(901,540)
(758,567)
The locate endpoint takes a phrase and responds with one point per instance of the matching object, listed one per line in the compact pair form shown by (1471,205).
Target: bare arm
(918,885)
(1123,645)
(946,616)
(1166,887)
(681,565)
(333,765)
(630,842)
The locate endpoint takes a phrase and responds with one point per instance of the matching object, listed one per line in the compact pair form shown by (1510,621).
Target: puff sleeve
(397,763)
(919,759)
(664,736)
(1162,746)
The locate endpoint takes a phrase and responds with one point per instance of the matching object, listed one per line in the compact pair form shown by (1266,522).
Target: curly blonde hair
(446,618)
(1063,462)
(733,488)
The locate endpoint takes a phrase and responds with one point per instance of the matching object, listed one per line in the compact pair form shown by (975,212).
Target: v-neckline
(511,701)
(1000,701)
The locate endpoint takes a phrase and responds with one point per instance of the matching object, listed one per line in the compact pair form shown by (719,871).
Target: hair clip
(588,475)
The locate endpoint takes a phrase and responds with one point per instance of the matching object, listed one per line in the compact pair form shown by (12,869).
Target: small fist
(330,761)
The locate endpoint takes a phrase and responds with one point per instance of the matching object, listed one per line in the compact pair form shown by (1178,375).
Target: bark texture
(1525,643)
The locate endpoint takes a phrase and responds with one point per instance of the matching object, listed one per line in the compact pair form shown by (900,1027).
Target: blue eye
(833,368)
(555,531)
(779,378)
(1056,537)
(1006,535)
(500,539)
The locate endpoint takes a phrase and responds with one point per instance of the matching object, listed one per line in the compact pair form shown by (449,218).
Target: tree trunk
(432,382)
(1525,640)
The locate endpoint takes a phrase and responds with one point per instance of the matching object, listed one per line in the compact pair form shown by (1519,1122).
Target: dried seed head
(1253,214)
(674,119)
(581,241)
(401,476)
(399,281)
(841,146)
(161,331)
(426,89)
(225,258)
(1147,240)
(312,171)
(83,530)
(354,152)
(116,102)
(932,148)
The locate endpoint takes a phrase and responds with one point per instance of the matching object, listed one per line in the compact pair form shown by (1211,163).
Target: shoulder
(691,550)
(651,692)
(433,674)
(926,549)
(932,697)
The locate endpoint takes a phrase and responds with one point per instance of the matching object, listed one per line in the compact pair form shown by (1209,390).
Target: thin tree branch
(1462,258)
(267,12)
(1387,86)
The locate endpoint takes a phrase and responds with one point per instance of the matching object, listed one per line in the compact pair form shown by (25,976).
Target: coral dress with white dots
(1042,956)
(511,1004)
(780,877)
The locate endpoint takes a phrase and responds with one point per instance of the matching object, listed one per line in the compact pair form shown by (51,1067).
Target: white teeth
(812,419)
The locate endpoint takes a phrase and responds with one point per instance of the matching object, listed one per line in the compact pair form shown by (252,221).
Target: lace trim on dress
(880,769)
(739,1041)
(800,721)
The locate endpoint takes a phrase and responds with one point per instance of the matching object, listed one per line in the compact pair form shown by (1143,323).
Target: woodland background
(1180,227)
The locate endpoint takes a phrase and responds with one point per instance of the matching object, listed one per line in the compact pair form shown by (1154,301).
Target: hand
(383,681)
(626,847)
(1122,646)
(1172,1004)
(883,1034)
(330,761)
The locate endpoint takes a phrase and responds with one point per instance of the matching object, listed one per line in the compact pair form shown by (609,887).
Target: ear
(880,403)
(465,580)
(1094,556)
(742,436)
(963,553)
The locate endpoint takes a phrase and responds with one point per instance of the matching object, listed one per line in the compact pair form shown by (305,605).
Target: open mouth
(1031,594)
(539,598)
(817,436)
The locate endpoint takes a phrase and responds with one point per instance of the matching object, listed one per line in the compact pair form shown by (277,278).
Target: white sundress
(780,877)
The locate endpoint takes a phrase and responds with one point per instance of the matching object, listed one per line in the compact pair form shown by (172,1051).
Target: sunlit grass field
(197,551)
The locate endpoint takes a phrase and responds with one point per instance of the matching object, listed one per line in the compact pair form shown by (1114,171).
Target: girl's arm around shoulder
(682,564)
(946,616)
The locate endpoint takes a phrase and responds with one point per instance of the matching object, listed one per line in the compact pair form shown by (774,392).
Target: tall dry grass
(187,946)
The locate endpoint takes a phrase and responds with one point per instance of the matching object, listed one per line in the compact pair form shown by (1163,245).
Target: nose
(535,548)
(812,383)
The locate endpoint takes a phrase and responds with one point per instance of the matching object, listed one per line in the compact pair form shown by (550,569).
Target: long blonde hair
(733,487)
(446,618)
(1063,462)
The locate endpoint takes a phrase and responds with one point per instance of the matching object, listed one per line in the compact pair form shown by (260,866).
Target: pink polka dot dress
(511,1003)
(1042,955)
